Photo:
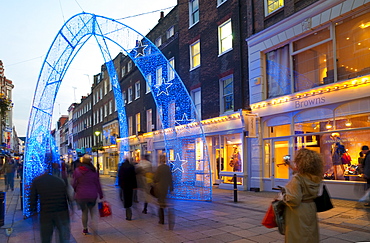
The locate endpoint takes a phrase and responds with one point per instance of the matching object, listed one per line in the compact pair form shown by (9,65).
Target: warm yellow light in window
(347,38)
(359,44)
(365,25)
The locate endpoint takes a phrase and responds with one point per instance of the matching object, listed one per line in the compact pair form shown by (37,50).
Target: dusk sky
(28,29)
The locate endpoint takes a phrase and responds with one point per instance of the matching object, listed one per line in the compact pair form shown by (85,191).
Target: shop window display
(232,162)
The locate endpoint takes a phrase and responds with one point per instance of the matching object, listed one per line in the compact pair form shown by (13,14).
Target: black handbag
(279,207)
(323,202)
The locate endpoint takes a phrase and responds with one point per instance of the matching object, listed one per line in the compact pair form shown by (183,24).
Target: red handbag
(104,209)
(269,219)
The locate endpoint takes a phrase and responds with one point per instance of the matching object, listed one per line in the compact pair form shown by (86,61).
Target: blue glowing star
(163,87)
(140,49)
(184,120)
(178,163)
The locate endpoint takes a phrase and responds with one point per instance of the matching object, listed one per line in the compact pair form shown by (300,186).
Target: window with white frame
(225,37)
(227,94)
(106,84)
(158,41)
(149,120)
(110,107)
(273,5)
(129,66)
(171,67)
(219,2)
(101,93)
(170,32)
(158,78)
(159,118)
(129,95)
(138,122)
(193,12)
(137,90)
(123,71)
(105,110)
(195,54)
(124,97)
(130,133)
(101,113)
(148,83)
(196,95)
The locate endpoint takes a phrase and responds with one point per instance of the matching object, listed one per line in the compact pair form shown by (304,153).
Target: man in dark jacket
(127,182)
(53,196)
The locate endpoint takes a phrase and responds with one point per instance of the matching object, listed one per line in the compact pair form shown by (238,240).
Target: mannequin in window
(235,161)
(220,164)
(337,150)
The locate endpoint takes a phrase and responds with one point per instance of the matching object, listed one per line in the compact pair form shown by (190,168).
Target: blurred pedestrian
(51,191)
(127,182)
(301,224)
(9,169)
(87,187)
(144,175)
(366,167)
(162,183)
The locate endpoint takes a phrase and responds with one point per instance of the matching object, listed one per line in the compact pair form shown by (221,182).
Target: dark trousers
(59,220)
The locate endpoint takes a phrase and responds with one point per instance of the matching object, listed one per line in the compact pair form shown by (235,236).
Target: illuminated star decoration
(184,120)
(140,49)
(163,87)
(178,163)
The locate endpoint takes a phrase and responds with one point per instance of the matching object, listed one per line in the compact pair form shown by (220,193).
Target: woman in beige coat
(300,213)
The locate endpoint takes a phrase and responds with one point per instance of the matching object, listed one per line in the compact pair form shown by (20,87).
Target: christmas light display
(184,140)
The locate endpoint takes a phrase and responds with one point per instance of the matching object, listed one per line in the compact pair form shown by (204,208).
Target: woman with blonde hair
(301,223)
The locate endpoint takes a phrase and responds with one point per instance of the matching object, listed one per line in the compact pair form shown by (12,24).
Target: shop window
(225,37)
(313,62)
(193,12)
(278,131)
(353,46)
(195,54)
(273,5)
(278,72)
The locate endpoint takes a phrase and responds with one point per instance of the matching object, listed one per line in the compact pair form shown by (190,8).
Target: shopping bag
(104,209)
(269,219)
(279,207)
(323,202)
(366,197)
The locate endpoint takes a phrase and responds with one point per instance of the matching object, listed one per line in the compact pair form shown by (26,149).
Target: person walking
(144,175)
(366,167)
(87,187)
(51,191)
(9,169)
(127,182)
(162,183)
(301,224)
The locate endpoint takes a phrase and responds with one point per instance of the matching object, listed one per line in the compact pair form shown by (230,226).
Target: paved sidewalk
(221,220)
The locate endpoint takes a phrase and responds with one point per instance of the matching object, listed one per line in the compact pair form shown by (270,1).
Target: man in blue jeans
(54,213)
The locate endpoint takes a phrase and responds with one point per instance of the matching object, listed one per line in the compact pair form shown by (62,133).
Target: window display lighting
(190,166)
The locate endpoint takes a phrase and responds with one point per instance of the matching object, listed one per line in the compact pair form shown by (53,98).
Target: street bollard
(2,208)
(235,190)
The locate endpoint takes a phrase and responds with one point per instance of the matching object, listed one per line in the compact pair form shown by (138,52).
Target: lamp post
(97,133)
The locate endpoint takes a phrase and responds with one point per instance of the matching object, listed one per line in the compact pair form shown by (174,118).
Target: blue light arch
(181,129)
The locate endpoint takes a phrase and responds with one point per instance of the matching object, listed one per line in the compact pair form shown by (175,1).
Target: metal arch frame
(182,130)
